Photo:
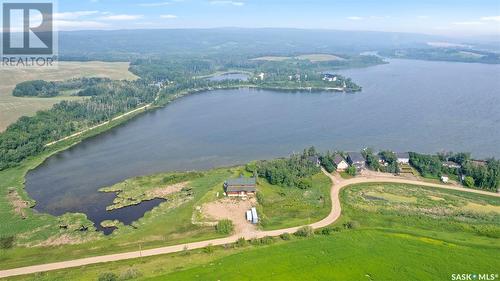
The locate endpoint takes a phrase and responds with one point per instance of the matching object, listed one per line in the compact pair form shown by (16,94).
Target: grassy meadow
(282,207)
(11,108)
(386,232)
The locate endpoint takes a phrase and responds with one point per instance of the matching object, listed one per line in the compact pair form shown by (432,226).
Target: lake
(406,105)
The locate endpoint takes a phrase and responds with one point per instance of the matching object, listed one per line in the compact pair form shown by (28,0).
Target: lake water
(404,106)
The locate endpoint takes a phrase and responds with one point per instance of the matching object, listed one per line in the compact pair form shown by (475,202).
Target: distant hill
(128,44)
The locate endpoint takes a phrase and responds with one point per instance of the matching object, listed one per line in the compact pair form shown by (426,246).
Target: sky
(443,17)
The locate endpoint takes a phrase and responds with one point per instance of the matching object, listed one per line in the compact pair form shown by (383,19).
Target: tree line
(481,174)
(28,136)
(81,87)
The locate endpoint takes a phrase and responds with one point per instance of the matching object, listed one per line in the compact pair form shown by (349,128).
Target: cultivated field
(310,57)
(11,108)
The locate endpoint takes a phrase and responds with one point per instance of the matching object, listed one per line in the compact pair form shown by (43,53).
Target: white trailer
(255,218)
(249,215)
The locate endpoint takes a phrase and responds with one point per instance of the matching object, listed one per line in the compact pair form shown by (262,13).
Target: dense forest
(295,171)
(445,54)
(78,87)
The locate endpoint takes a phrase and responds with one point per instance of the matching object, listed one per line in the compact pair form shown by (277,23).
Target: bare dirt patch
(232,209)
(161,192)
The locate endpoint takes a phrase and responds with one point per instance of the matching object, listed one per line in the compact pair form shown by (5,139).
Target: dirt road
(338,184)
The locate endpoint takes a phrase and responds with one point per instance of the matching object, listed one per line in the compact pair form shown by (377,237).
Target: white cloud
(156,4)
(121,17)
(73,15)
(492,18)
(468,23)
(422,17)
(227,2)
(354,18)
(68,24)
(168,16)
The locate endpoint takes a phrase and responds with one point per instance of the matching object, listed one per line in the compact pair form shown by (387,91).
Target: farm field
(11,108)
(383,234)
(311,57)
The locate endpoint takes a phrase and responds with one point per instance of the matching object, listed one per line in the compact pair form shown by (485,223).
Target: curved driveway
(337,185)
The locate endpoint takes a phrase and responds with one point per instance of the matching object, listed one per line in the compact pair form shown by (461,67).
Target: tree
(469,181)
(224,227)
(351,171)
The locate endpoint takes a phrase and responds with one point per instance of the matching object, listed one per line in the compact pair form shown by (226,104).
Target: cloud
(492,18)
(468,23)
(121,17)
(354,18)
(73,15)
(157,4)
(227,2)
(422,17)
(168,16)
(69,24)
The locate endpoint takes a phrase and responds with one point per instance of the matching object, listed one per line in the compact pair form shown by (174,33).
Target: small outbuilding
(403,157)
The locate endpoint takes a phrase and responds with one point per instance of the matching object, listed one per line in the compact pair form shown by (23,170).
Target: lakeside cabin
(240,187)
(340,162)
(356,159)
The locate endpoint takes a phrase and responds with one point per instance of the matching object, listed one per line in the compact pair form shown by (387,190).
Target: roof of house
(337,159)
(313,159)
(451,164)
(356,157)
(241,184)
(241,181)
(404,155)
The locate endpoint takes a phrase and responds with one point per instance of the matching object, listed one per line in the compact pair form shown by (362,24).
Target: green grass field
(282,207)
(386,232)
(11,108)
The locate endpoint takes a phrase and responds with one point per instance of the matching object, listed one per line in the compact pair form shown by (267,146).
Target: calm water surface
(405,105)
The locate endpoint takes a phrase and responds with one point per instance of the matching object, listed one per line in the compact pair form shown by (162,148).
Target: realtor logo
(27,29)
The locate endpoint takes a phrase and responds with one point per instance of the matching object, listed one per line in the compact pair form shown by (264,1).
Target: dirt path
(338,184)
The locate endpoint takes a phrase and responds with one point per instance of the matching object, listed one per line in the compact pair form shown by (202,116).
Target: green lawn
(349,255)
(282,207)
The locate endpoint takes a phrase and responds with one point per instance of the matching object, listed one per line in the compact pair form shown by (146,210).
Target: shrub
(131,273)
(224,227)
(286,236)
(107,276)
(305,231)
(329,230)
(469,181)
(351,170)
(209,249)
(241,242)
(351,225)
(266,240)
(304,183)
(6,242)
